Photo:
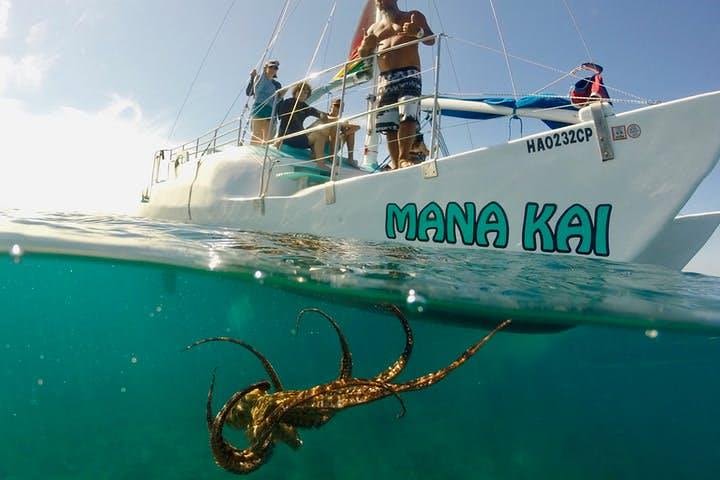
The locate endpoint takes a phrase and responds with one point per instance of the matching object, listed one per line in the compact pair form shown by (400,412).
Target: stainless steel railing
(231,132)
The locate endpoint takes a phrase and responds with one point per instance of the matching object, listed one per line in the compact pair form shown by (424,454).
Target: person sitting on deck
(347,132)
(265,89)
(292,113)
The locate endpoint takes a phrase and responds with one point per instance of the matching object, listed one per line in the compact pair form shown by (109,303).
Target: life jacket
(589,89)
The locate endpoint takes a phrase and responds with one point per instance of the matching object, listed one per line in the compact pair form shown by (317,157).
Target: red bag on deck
(589,89)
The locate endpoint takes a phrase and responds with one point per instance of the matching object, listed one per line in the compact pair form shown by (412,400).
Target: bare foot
(321,165)
(406,163)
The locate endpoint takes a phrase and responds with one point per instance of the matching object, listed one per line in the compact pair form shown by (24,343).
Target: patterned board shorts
(397,86)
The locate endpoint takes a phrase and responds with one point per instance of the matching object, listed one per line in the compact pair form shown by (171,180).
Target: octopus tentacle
(389,389)
(269,418)
(209,417)
(269,369)
(339,395)
(288,434)
(403,409)
(346,364)
(434,377)
(399,365)
(225,454)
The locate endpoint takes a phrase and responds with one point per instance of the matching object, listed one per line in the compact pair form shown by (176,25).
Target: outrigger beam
(560,115)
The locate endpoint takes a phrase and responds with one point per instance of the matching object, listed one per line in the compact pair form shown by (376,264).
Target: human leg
(406,136)
(409,113)
(264,129)
(317,142)
(388,123)
(260,124)
(348,137)
(402,87)
(393,148)
(257,135)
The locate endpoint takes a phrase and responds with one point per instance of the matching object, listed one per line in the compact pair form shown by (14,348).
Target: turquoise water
(620,382)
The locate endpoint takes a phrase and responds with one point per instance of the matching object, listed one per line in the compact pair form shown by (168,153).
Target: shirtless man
(347,131)
(399,75)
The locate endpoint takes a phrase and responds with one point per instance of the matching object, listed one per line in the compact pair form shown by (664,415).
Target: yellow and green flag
(367,19)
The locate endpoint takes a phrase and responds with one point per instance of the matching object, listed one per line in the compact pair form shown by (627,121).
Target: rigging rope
(638,98)
(327,47)
(452,65)
(202,64)
(312,60)
(279,25)
(544,87)
(273,38)
(502,42)
(577,28)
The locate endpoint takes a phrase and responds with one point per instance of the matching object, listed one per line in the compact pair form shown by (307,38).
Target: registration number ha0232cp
(559,139)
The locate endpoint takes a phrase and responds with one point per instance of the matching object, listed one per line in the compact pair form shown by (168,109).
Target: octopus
(269,417)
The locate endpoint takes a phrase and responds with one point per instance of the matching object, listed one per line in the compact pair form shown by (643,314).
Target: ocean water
(610,372)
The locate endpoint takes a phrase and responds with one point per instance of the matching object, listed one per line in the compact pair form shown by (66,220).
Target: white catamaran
(597,184)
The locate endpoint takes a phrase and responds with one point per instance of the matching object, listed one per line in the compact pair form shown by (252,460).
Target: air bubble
(411,296)
(214,261)
(416,301)
(16,252)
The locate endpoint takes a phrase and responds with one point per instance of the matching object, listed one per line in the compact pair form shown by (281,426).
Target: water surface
(621,382)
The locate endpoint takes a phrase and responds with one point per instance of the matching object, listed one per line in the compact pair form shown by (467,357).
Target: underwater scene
(607,370)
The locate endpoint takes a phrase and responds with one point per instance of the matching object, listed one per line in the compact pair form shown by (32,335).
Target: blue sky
(89,87)
(149,50)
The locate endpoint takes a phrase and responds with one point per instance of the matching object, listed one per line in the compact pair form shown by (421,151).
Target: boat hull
(546,193)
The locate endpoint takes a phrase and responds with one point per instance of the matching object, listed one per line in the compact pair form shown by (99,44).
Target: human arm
(250,89)
(418,28)
(314,112)
(282,108)
(369,44)
(282,91)
(279,91)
